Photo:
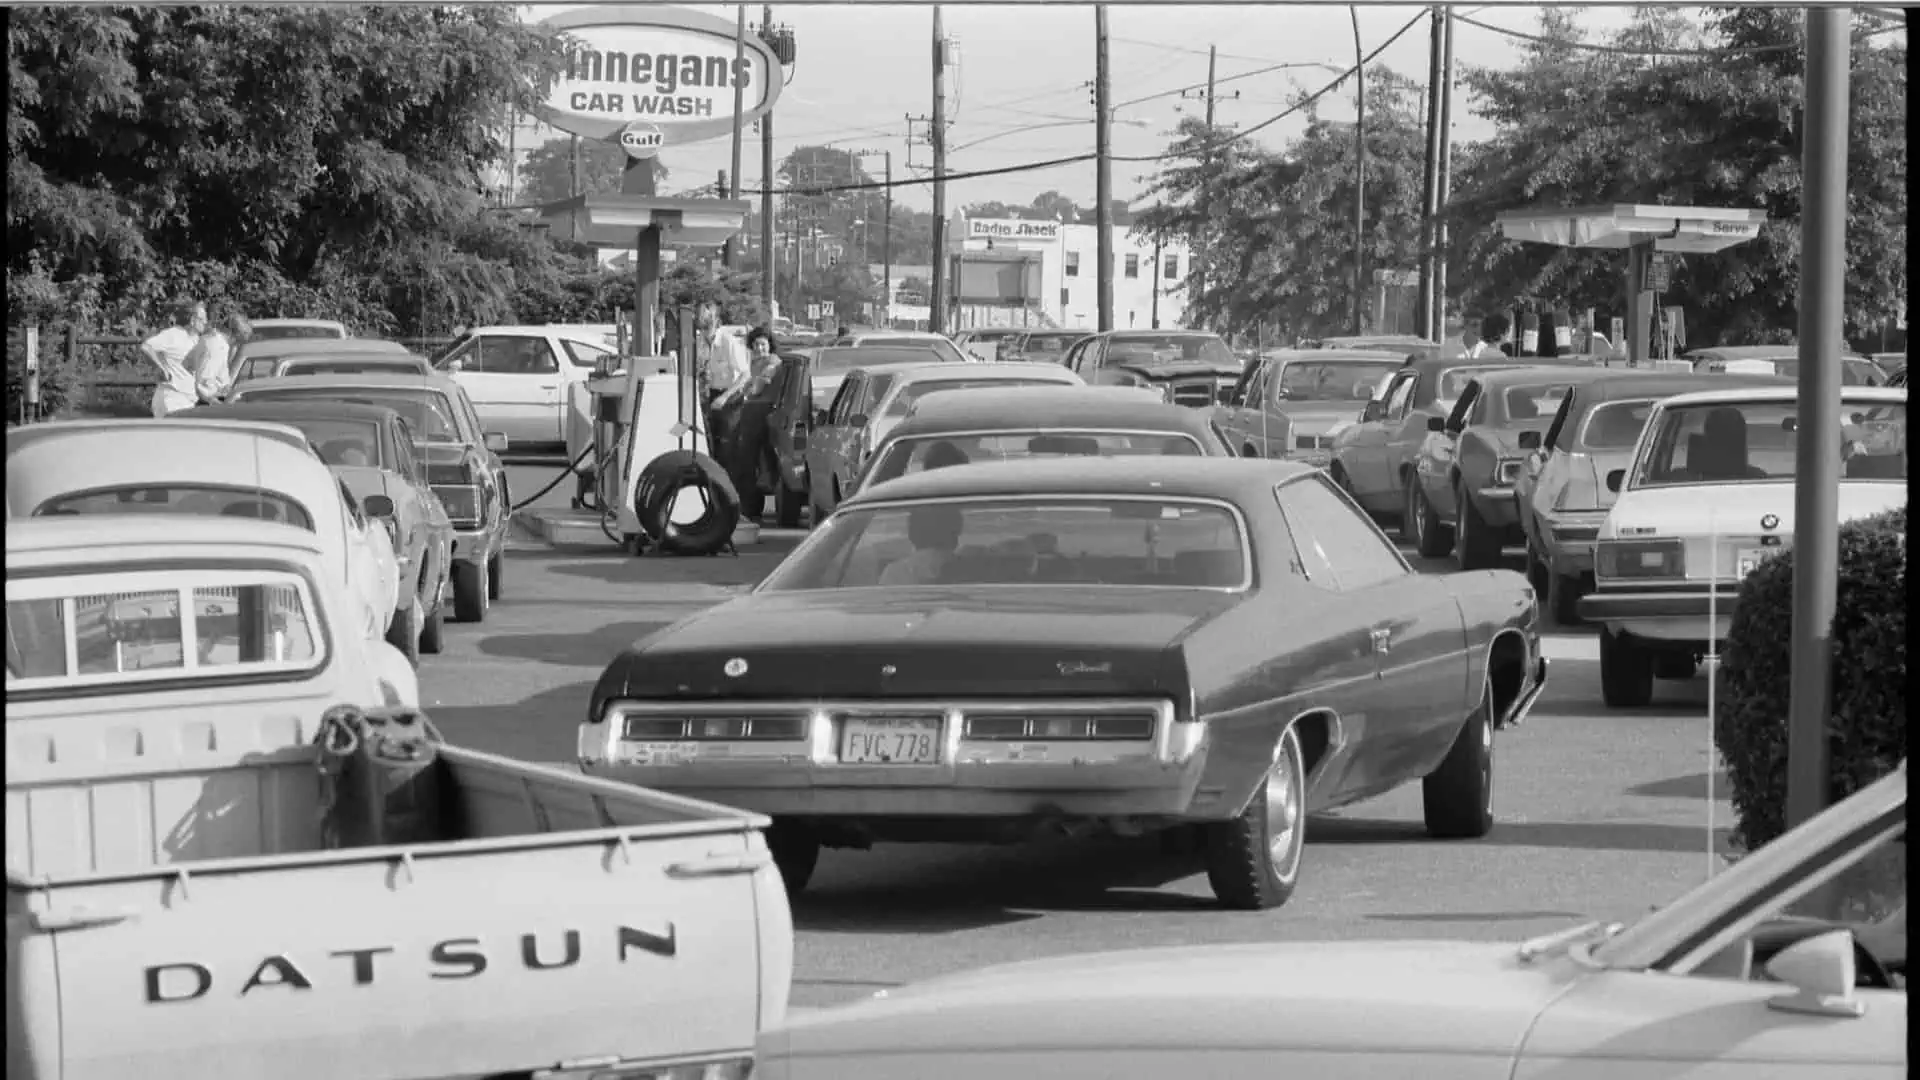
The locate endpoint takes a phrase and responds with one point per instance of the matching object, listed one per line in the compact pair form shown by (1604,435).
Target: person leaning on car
(723,367)
(747,406)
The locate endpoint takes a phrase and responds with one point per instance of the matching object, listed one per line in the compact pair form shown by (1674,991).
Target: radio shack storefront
(1005,272)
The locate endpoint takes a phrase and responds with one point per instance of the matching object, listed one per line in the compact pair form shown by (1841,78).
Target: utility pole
(1198,268)
(1359,174)
(739,105)
(1443,166)
(767,260)
(1213,56)
(886,252)
(1816,488)
(1103,166)
(936,316)
(1429,191)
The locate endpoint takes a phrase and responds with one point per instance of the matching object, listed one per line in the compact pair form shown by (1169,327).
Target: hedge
(1867,725)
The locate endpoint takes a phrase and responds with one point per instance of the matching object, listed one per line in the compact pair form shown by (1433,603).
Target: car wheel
(403,632)
(431,639)
(1675,666)
(1476,546)
(786,505)
(1253,861)
(795,850)
(1538,574)
(1421,526)
(1626,671)
(1563,597)
(469,591)
(1457,798)
(496,574)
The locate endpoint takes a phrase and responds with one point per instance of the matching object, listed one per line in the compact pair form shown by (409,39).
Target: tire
(431,638)
(1676,666)
(796,851)
(1538,575)
(786,505)
(1420,526)
(1249,867)
(1563,598)
(1476,546)
(496,574)
(403,632)
(1626,672)
(1457,798)
(470,592)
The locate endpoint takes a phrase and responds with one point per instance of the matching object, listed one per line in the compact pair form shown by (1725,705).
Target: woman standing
(168,351)
(212,360)
(747,441)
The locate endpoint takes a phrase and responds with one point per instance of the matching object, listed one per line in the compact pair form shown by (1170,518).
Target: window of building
(1133,266)
(1172,270)
(1064,301)
(1073,264)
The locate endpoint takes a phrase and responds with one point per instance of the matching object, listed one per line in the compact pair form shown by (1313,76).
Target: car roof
(174,450)
(295,410)
(331,324)
(985,369)
(1347,341)
(258,350)
(1053,331)
(1533,373)
(1642,384)
(401,361)
(1892,395)
(1321,356)
(571,332)
(1177,331)
(1023,407)
(1235,480)
(364,380)
(43,539)
(27,436)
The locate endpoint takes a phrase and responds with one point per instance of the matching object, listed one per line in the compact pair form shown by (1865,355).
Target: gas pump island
(651,78)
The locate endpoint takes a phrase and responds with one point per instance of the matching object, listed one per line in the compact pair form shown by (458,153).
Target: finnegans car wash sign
(1011,229)
(666,67)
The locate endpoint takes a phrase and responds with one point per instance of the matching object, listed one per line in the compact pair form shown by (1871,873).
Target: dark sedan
(1190,367)
(988,652)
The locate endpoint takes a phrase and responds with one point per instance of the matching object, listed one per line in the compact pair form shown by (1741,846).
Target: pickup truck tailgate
(445,960)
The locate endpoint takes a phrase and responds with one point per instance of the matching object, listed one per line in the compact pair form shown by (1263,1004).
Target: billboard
(665,71)
(1011,229)
(996,279)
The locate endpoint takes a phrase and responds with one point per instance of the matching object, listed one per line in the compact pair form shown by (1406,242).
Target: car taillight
(1061,726)
(1640,559)
(1509,471)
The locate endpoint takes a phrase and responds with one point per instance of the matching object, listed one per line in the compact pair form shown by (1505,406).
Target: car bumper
(1695,615)
(476,545)
(1496,507)
(1568,542)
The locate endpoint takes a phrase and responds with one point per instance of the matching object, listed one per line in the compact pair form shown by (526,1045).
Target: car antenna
(1713,670)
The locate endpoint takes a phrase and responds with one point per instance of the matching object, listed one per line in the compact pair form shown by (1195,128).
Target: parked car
(238,857)
(1047,346)
(1466,469)
(283,329)
(894,339)
(209,468)
(521,378)
(360,364)
(871,402)
(1561,493)
(256,359)
(1782,360)
(1289,403)
(1373,459)
(461,461)
(990,342)
(1039,422)
(1191,367)
(371,449)
(1744,975)
(987,652)
(1709,495)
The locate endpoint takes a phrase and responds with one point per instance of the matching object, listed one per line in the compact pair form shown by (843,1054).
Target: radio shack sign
(659,70)
(1011,229)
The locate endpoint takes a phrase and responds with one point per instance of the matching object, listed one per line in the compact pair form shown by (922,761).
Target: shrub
(1867,720)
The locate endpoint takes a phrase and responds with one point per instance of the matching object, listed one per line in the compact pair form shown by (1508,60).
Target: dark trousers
(716,427)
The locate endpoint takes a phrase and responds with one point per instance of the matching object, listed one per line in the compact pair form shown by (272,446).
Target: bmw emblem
(735,668)
(1771,521)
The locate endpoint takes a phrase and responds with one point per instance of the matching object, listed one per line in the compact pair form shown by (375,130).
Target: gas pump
(637,416)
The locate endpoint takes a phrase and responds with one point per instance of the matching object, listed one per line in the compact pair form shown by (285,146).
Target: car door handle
(79,918)
(1382,640)
(719,865)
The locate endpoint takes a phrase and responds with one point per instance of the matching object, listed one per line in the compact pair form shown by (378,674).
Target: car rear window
(1730,442)
(904,457)
(1615,425)
(203,500)
(840,360)
(1537,402)
(1333,380)
(428,411)
(283,333)
(354,365)
(914,391)
(1111,542)
(941,346)
(150,626)
(353,443)
(1169,348)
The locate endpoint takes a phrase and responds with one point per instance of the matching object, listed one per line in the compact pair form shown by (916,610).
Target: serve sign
(641,140)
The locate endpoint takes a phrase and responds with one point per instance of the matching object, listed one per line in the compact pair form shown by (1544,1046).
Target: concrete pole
(768,262)
(1359,175)
(732,188)
(1103,170)
(1430,189)
(1444,184)
(886,253)
(1816,488)
(637,179)
(936,315)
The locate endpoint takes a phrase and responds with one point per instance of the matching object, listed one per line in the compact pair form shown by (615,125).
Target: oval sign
(641,140)
(668,68)
(735,667)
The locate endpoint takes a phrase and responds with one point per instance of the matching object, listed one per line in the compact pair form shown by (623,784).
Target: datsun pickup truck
(226,860)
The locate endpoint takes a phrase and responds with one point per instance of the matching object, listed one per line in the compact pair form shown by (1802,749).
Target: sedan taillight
(1640,559)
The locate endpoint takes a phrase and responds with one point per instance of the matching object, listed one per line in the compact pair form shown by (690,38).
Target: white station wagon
(1709,496)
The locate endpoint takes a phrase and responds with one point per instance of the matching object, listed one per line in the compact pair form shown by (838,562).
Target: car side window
(403,462)
(1400,395)
(1467,406)
(1071,360)
(465,357)
(517,356)
(1329,529)
(842,406)
(1559,421)
(1243,391)
(352,506)
(583,355)
(464,406)
(1090,357)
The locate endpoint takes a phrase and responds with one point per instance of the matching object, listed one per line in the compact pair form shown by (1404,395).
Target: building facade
(1149,283)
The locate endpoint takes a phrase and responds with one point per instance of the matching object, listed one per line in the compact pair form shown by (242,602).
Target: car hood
(1737,509)
(1421,997)
(920,642)
(1176,369)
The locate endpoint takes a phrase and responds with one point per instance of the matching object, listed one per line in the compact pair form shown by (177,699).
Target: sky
(1021,87)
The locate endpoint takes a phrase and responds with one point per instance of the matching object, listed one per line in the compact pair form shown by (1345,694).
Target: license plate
(866,741)
(659,753)
(1745,559)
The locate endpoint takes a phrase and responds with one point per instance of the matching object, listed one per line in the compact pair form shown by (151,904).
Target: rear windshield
(1168,349)
(1145,543)
(427,411)
(903,457)
(1526,403)
(1333,380)
(916,390)
(1757,441)
(1615,425)
(946,349)
(282,333)
(356,365)
(154,626)
(1047,345)
(206,500)
(839,361)
(354,443)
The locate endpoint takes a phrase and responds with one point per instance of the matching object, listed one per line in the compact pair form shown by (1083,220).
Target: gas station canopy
(1684,229)
(612,221)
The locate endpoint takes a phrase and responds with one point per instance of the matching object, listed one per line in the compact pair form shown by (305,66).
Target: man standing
(1494,331)
(723,366)
(168,350)
(212,360)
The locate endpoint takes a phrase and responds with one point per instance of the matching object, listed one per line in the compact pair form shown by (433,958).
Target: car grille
(1200,393)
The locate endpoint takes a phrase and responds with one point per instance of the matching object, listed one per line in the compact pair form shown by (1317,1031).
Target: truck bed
(173,909)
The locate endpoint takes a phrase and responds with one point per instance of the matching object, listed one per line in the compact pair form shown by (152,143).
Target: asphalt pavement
(1600,814)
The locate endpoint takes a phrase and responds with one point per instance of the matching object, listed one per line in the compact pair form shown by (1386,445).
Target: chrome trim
(1517,715)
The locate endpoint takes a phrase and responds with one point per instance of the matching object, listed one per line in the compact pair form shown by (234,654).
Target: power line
(1624,50)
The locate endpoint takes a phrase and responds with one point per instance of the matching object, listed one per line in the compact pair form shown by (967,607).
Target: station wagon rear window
(1616,425)
(427,411)
(906,456)
(1757,441)
(914,391)
(66,633)
(1534,402)
(204,500)
(1050,540)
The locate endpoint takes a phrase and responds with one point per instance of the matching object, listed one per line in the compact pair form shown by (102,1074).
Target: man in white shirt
(168,350)
(723,367)
(212,360)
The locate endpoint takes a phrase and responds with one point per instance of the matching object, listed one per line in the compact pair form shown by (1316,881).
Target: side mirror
(378,506)
(857,420)
(1821,971)
(1374,410)
(496,442)
(1615,478)
(1436,423)
(1529,440)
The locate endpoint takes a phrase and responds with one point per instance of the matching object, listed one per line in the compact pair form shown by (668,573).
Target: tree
(547,174)
(1052,204)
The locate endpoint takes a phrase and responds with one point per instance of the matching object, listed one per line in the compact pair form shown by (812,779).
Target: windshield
(283,333)
(1047,344)
(839,361)
(941,346)
(202,500)
(353,443)
(1739,441)
(1050,540)
(584,355)
(1333,380)
(427,411)
(1453,382)
(1616,425)
(1529,403)
(357,365)
(911,455)
(1169,349)
(914,391)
